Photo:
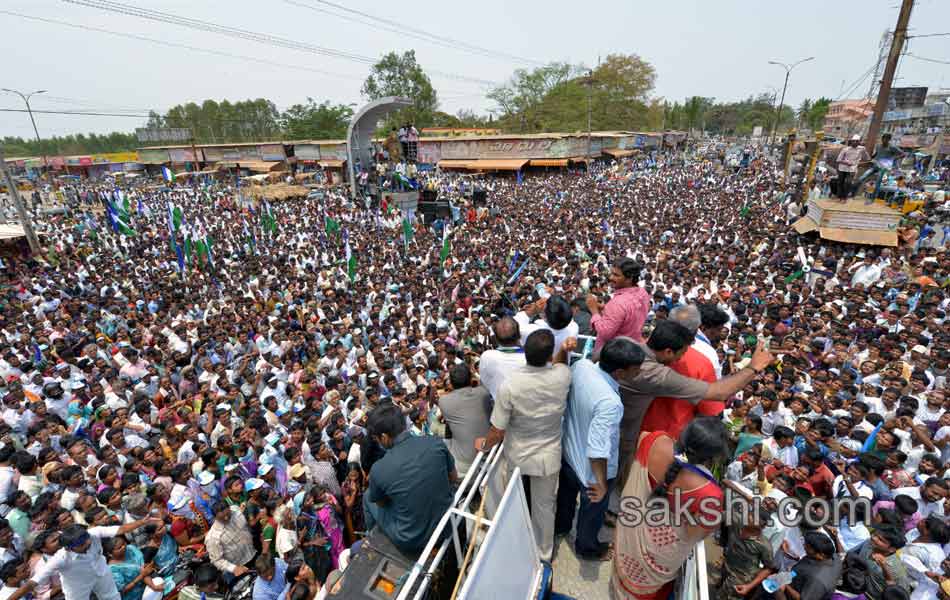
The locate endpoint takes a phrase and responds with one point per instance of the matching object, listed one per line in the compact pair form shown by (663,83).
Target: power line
(858,82)
(408,31)
(927,35)
(143,38)
(244,34)
(86,103)
(930,60)
(74,112)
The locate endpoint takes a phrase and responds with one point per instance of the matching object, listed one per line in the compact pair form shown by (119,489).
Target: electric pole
(25,221)
(884,93)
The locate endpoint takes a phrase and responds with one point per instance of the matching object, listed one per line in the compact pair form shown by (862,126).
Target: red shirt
(821,481)
(673,414)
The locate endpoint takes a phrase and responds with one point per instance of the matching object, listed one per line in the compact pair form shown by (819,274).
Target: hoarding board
(162,134)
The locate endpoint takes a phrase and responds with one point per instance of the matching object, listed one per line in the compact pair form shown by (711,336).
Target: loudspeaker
(429,195)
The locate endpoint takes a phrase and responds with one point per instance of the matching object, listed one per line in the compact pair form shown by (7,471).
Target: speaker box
(480,197)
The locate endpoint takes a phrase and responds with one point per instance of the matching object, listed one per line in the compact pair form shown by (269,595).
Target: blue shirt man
(271,582)
(592,421)
(591,443)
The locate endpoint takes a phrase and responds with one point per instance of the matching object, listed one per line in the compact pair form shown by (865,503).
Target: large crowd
(190,378)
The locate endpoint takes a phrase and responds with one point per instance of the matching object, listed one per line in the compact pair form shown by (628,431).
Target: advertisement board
(153,157)
(162,134)
(181,155)
(333,151)
(429,152)
(307,152)
(271,152)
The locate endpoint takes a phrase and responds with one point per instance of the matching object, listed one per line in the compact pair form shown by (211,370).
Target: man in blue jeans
(591,443)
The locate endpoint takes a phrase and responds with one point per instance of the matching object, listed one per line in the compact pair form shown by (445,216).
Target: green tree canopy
(70,144)
(401,75)
(555,97)
(314,121)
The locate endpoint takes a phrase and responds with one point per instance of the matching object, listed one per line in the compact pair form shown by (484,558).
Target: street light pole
(781,104)
(36,132)
(25,221)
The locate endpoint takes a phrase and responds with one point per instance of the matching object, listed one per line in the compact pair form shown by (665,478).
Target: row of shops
(475,152)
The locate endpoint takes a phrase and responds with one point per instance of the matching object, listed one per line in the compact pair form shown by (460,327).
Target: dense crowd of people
(187,376)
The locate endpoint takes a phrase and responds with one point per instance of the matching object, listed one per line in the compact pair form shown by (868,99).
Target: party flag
(406,232)
(514,260)
(120,223)
(330,225)
(350,262)
(514,277)
(445,246)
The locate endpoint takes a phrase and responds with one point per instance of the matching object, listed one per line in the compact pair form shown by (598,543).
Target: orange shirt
(672,414)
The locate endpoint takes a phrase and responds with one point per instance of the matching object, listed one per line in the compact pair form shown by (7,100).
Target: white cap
(855,138)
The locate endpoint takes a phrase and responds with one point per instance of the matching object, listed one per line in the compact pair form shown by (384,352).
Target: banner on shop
(307,152)
(333,152)
(182,155)
(153,157)
(271,152)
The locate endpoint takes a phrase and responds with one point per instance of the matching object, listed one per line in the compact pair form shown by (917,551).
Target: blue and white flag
(514,277)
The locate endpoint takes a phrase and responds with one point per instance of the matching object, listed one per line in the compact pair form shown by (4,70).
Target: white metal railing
(582,350)
(482,467)
(694,583)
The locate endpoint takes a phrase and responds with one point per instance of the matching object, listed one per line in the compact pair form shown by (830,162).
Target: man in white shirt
(929,496)
(714,322)
(494,366)
(852,483)
(80,563)
(558,318)
(866,273)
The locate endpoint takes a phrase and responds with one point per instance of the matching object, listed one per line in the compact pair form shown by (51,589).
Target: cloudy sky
(94,60)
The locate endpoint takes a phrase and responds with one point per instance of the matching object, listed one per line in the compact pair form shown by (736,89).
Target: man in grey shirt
(668,342)
(466,411)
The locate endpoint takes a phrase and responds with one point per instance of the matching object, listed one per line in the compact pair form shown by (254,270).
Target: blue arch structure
(361,129)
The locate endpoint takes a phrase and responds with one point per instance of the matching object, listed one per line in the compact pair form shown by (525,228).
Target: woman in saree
(133,576)
(648,553)
(161,549)
(321,538)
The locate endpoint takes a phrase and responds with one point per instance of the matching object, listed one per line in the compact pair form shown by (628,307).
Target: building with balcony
(848,117)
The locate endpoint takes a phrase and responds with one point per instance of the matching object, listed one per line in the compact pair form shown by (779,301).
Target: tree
(816,116)
(401,75)
(555,97)
(620,92)
(803,111)
(212,122)
(314,121)
(694,110)
(70,144)
(520,99)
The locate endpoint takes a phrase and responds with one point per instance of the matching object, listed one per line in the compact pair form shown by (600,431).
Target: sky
(716,49)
